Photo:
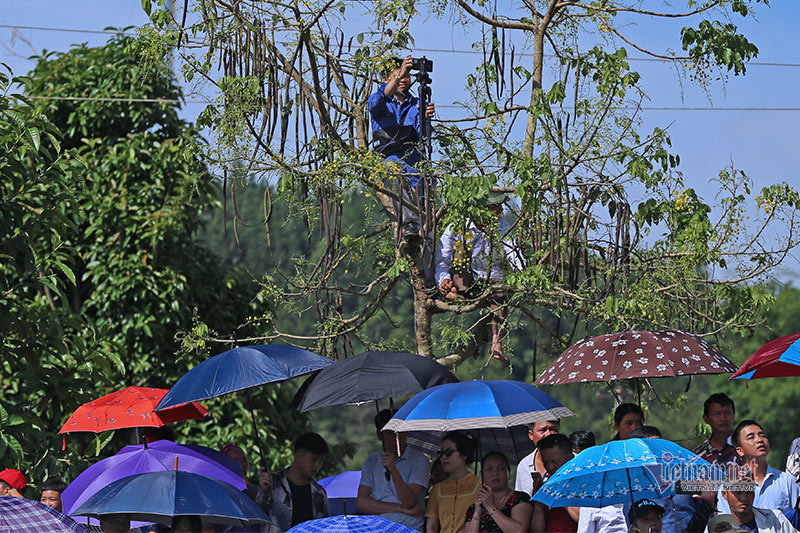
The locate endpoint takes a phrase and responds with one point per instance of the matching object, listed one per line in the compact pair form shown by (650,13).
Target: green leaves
(713,40)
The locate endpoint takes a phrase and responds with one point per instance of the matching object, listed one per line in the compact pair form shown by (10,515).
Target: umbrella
(351,524)
(635,354)
(513,442)
(778,358)
(342,491)
(160,496)
(476,404)
(239,369)
(129,408)
(140,459)
(370,376)
(20,515)
(623,471)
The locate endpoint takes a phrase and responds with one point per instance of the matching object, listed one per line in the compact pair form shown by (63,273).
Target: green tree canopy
(613,234)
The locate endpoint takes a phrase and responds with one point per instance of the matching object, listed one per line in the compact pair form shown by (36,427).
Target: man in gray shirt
(393,483)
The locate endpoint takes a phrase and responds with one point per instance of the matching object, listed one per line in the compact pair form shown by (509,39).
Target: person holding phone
(498,508)
(449,500)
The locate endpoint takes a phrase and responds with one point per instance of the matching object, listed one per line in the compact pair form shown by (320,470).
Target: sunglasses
(447,453)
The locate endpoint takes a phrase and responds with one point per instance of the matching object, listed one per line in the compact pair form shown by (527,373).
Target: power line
(70,30)
(643,59)
(436,50)
(445,106)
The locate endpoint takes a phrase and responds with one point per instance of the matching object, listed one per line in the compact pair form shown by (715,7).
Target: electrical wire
(432,50)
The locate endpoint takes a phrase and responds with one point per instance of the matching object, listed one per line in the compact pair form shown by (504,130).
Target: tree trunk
(536,90)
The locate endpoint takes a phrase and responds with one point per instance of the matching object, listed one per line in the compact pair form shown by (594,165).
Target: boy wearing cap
(645,517)
(12,483)
(468,258)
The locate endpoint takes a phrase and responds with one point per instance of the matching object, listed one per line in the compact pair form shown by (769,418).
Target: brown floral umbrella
(635,354)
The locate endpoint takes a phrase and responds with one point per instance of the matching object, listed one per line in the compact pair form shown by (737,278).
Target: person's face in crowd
(649,522)
(542,429)
(740,501)
(628,423)
(452,460)
(437,473)
(495,473)
(390,440)
(403,83)
(720,418)
(237,454)
(182,525)
(753,442)
(553,459)
(115,523)
(52,498)
(308,463)
(5,488)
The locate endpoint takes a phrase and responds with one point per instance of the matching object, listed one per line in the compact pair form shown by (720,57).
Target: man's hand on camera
(405,67)
(430,110)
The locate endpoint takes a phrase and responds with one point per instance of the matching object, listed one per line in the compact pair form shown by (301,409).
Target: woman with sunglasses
(449,499)
(500,509)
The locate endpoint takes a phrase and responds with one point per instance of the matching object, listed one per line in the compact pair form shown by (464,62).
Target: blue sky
(762,143)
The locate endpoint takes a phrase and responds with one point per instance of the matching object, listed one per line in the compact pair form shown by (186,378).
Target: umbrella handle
(255,430)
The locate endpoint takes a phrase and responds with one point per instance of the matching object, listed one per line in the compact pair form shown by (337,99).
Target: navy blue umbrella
(161,496)
(239,369)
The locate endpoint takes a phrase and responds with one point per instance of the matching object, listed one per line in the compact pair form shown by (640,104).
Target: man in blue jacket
(395,118)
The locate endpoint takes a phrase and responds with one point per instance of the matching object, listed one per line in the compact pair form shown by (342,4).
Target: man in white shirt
(739,498)
(774,489)
(531,466)
(608,519)
(469,258)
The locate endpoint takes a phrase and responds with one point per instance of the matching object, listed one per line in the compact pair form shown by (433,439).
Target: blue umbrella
(160,496)
(351,524)
(239,369)
(342,490)
(155,457)
(476,404)
(623,471)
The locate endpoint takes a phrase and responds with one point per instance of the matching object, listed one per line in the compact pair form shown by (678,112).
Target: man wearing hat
(645,517)
(468,259)
(12,483)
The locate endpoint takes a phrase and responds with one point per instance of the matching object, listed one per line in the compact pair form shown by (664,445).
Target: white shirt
(524,481)
(779,490)
(608,519)
(770,521)
(479,245)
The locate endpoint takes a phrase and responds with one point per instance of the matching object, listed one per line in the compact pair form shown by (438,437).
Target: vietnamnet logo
(696,475)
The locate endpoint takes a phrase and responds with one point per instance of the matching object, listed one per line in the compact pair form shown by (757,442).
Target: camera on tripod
(422,63)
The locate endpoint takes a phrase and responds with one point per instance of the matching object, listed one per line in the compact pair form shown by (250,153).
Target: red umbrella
(129,408)
(635,354)
(778,358)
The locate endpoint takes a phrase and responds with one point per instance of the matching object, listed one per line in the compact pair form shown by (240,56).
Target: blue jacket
(395,130)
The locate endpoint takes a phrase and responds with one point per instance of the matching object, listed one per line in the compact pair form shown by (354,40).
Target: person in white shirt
(739,498)
(531,470)
(469,258)
(608,519)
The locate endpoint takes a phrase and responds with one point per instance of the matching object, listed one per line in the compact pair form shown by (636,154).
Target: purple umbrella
(342,490)
(156,457)
(20,515)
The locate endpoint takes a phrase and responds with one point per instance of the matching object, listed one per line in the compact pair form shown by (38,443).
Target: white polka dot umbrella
(635,354)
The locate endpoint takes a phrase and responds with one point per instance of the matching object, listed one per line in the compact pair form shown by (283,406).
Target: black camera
(422,63)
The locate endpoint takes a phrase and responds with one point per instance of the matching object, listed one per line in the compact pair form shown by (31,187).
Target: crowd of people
(451,496)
